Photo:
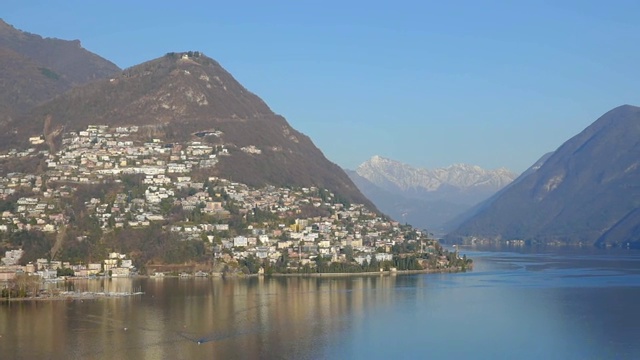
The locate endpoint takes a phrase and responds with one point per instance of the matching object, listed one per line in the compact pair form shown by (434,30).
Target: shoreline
(72,295)
(372,273)
(87,295)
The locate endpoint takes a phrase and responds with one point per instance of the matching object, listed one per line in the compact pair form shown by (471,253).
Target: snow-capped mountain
(394,175)
(427,197)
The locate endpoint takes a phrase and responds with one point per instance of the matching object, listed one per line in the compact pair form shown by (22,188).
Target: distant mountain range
(428,198)
(34,69)
(586,192)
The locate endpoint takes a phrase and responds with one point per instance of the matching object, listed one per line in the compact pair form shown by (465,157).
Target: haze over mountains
(427,198)
(586,192)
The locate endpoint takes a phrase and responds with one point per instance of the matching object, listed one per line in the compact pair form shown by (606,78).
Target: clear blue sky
(429,83)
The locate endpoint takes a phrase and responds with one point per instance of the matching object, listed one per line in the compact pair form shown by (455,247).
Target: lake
(516,304)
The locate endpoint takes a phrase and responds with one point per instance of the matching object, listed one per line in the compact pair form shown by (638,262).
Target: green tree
(65,272)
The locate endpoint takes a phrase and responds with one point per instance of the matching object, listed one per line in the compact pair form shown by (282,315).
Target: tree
(65,272)
(348,251)
(23,285)
(166,205)
(321,264)
(251,263)
(374,266)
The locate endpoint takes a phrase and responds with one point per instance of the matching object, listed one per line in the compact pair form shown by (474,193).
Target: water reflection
(176,318)
(513,305)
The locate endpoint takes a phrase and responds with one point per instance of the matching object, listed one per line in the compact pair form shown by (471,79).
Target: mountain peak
(378,159)
(187,91)
(616,116)
(386,172)
(177,59)
(584,192)
(426,197)
(625,107)
(465,167)
(187,96)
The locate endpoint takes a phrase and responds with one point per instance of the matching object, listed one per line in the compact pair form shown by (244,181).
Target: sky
(428,83)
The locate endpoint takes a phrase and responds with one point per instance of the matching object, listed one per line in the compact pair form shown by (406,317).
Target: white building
(240,241)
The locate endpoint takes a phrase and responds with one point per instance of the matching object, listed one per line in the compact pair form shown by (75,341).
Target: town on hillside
(108,204)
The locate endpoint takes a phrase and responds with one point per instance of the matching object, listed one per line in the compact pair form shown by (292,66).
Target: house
(262,252)
(36,140)
(324,243)
(361,259)
(95,267)
(48,274)
(42,264)
(380,257)
(284,244)
(264,239)
(12,257)
(212,206)
(110,264)
(227,244)
(120,272)
(221,227)
(240,241)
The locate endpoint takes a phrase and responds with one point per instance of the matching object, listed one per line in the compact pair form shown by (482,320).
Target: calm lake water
(578,304)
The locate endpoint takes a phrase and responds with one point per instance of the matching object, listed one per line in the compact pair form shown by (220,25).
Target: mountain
(426,197)
(421,213)
(66,58)
(461,218)
(25,83)
(35,69)
(183,96)
(586,192)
